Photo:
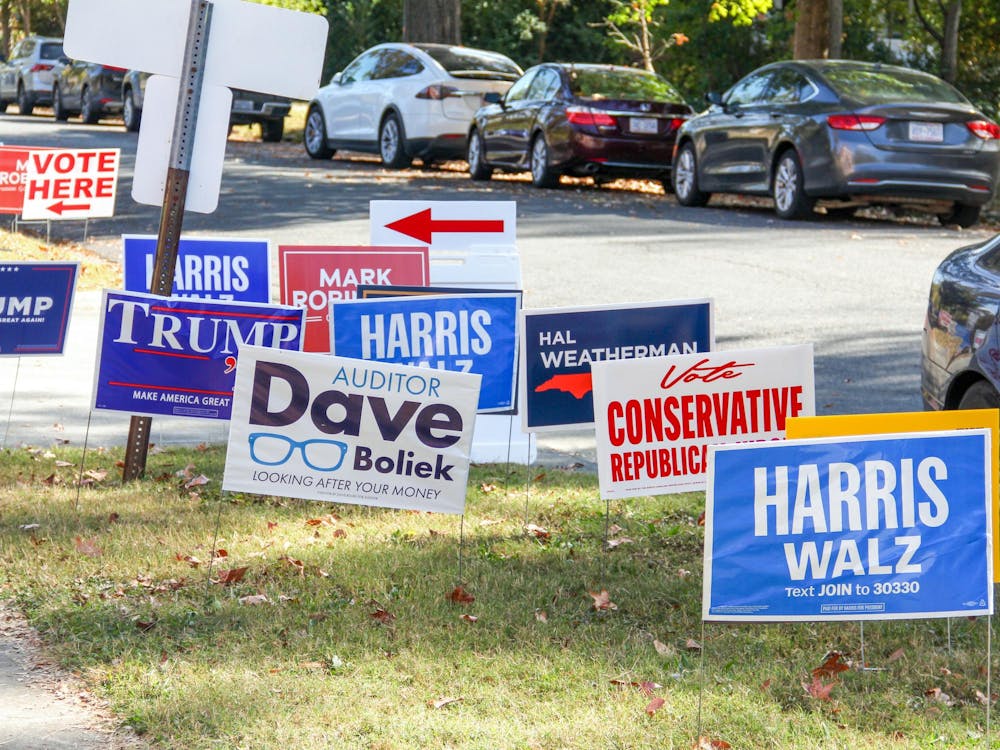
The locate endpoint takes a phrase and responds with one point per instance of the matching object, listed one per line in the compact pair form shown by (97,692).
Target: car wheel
(314,137)
(90,111)
(961,215)
(542,175)
(391,146)
(3,105)
(24,102)
(131,114)
(271,131)
(790,199)
(685,178)
(58,110)
(980,395)
(476,156)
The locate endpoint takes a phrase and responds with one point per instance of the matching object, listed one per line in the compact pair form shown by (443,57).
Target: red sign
(315,276)
(13,168)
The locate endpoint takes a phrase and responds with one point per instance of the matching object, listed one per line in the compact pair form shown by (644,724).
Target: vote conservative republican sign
(656,417)
(869,527)
(35,304)
(177,357)
(313,277)
(70,183)
(321,427)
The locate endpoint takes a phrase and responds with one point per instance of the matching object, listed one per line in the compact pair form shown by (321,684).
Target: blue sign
(177,357)
(850,528)
(463,333)
(35,303)
(560,345)
(236,270)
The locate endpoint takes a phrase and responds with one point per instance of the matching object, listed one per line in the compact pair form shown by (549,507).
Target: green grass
(103,576)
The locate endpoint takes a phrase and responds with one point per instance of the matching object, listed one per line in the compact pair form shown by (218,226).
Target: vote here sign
(656,417)
(70,184)
(322,427)
(559,345)
(313,277)
(465,333)
(177,357)
(207,268)
(35,303)
(870,527)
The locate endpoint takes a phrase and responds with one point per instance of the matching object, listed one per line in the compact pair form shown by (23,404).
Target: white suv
(27,76)
(405,100)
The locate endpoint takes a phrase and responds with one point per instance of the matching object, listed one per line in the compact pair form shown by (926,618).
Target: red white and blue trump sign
(35,303)
(849,528)
(177,357)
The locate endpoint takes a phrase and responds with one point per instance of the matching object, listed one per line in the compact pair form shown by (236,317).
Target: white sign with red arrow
(74,183)
(446,225)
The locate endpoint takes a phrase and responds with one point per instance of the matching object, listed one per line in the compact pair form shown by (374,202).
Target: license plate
(648,125)
(927,132)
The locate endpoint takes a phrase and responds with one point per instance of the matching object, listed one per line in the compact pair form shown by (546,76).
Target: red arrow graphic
(421,226)
(58,208)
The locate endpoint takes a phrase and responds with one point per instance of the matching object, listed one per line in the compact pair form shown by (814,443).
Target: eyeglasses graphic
(270,449)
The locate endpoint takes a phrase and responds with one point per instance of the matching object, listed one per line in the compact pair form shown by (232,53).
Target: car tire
(476,156)
(788,188)
(314,135)
(272,131)
(542,175)
(980,395)
(392,143)
(961,215)
(25,103)
(131,114)
(90,111)
(3,105)
(685,178)
(59,112)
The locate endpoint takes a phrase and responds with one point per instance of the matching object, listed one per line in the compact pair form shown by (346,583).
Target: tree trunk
(949,45)
(432,21)
(812,30)
(5,21)
(836,46)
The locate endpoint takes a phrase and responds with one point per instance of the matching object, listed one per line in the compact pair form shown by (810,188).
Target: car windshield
(51,51)
(462,62)
(875,86)
(622,84)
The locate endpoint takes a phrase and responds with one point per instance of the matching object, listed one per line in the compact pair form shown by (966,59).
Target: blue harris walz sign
(850,528)
(177,357)
(222,269)
(35,303)
(474,333)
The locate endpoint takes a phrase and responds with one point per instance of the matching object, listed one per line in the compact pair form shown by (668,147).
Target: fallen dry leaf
(487,487)
(460,596)
(541,615)
(197,481)
(383,616)
(88,547)
(707,743)
(615,543)
(233,575)
(254,600)
(537,531)
(191,560)
(692,645)
(662,648)
(831,666)
(145,626)
(938,695)
(602,600)
(442,702)
(470,618)
(817,689)
(896,655)
(654,705)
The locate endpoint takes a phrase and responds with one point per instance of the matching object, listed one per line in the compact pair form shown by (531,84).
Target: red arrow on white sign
(422,226)
(70,184)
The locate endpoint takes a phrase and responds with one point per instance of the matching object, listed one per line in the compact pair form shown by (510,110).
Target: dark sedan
(599,120)
(960,363)
(90,90)
(847,133)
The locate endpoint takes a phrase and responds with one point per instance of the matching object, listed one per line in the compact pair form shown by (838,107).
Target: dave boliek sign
(70,183)
(35,303)
(850,528)
(656,417)
(321,427)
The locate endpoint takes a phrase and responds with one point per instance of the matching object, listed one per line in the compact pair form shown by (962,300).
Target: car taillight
(437,91)
(39,67)
(113,69)
(585,116)
(675,124)
(988,131)
(855,122)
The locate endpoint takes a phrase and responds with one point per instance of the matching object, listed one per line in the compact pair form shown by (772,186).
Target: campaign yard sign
(70,183)
(559,345)
(465,333)
(446,226)
(207,268)
(177,357)
(870,527)
(656,417)
(322,427)
(313,277)
(35,303)
(13,175)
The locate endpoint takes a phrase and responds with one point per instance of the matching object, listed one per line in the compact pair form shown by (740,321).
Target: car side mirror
(492,97)
(714,98)
(336,78)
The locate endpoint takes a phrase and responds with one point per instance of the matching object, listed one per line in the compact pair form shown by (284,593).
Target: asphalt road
(854,288)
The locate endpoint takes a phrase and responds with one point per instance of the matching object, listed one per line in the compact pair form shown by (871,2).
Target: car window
(464,62)
(750,90)
(621,83)
(871,85)
(519,91)
(991,260)
(545,86)
(24,48)
(788,87)
(361,68)
(396,63)
(51,51)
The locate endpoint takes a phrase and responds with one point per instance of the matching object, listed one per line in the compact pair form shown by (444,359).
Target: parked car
(848,132)
(405,100)
(87,89)
(960,351)
(26,77)
(600,120)
(248,108)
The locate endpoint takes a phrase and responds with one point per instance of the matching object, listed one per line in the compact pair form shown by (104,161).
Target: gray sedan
(845,133)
